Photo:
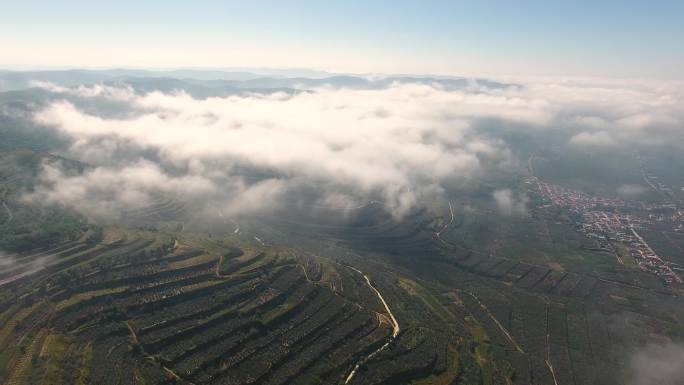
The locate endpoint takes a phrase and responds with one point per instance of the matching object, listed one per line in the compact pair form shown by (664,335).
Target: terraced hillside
(141,308)
(315,297)
(468,316)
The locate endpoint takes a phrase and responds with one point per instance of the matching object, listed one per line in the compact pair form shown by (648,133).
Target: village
(610,220)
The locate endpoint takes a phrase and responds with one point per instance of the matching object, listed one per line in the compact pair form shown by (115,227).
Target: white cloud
(631,190)
(508,204)
(599,138)
(122,92)
(105,191)
(420,139)
(397,144)
(658,364)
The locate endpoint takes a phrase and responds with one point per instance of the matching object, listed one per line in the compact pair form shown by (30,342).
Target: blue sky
(550,38)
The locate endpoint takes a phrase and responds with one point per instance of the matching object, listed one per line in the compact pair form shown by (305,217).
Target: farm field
(132,306)
(139,308)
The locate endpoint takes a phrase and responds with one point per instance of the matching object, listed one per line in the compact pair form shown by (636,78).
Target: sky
(624,39)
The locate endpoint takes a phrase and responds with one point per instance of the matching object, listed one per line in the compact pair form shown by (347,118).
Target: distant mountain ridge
(217,83)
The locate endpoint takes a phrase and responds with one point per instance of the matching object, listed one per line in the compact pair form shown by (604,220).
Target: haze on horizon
(623,39)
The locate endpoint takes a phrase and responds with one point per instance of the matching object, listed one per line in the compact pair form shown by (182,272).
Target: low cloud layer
(399,144)
(104,191)
(509,203)
(658,364)
(631,190)
(394,144)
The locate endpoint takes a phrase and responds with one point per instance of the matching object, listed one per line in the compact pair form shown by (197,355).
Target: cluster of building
(606,226)
(573,199)
(605,220)
(650,261)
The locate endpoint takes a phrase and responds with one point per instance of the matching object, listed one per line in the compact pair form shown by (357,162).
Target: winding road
(395,326)
(9,213)
(451,211)
(496,321)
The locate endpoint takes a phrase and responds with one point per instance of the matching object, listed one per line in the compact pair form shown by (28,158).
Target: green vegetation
(178,314)
(24,226)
